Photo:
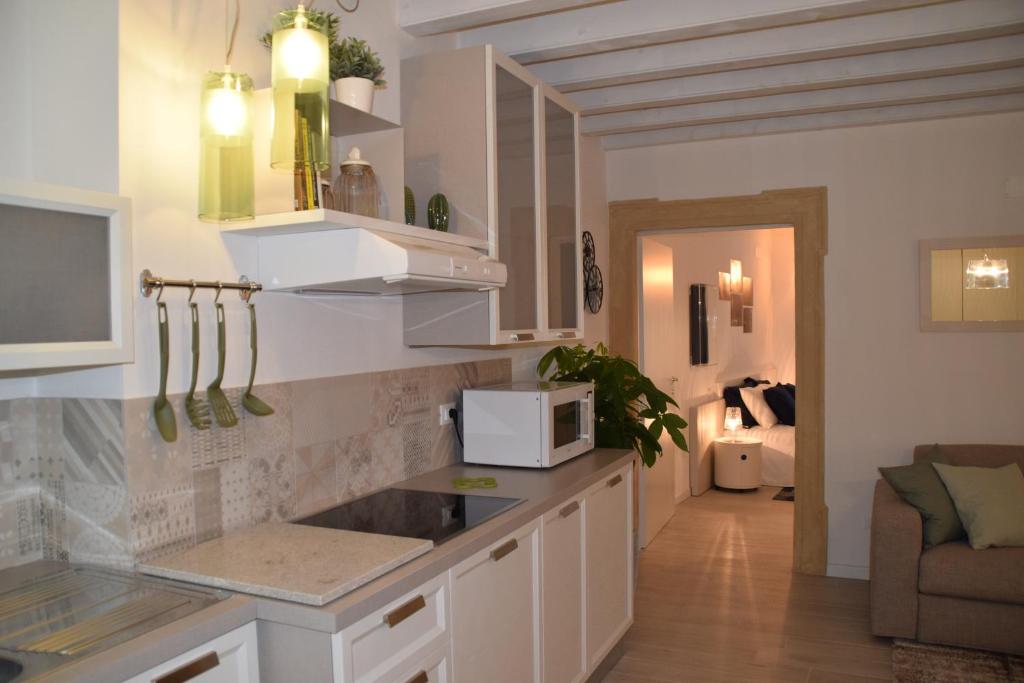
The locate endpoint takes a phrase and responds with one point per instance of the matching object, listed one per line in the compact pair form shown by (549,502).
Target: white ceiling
(653,71)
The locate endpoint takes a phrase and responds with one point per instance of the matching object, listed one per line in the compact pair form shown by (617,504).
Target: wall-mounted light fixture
(739,292)
(299,77)
(225,139)
(987,273)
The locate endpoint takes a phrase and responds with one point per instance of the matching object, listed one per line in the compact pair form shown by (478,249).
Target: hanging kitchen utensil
(222,410)
(163,411)
(197,409)
(250,402)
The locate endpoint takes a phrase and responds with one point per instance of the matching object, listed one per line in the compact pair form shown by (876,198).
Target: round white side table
(737,462)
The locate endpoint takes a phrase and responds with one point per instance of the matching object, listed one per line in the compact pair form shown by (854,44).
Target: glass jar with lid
(355,188)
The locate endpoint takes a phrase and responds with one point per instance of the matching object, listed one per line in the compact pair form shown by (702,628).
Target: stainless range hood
(366,261)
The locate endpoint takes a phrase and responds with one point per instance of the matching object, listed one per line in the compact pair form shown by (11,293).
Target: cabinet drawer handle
(191,670)
(569,509)
(400,614)
(421,677)
(504,549)
(615,481)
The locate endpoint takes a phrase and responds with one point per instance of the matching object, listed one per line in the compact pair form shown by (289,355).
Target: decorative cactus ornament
(437,213)
(410,206)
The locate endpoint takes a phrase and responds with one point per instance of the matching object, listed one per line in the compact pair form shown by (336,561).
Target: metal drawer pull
(569,509)
(421,677)
(504,549)
(615,481)
(191,670)
(400,614)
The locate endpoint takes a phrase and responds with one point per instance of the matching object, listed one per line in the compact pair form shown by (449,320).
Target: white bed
(706,424)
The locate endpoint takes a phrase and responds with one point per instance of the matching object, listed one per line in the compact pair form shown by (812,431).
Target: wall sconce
(739,292)
(733,421)
(299,77)
(987,273)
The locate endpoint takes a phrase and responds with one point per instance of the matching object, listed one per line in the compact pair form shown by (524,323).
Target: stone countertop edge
(541,490)
(134,656)
(300,596)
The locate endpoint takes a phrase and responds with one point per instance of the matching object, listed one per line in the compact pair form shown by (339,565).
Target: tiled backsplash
(91,480)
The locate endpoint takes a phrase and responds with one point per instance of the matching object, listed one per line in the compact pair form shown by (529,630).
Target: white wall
(888,386)
(165,47)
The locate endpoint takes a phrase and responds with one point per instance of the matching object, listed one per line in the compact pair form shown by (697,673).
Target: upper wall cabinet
(972,284)
(65,282)
(502,146)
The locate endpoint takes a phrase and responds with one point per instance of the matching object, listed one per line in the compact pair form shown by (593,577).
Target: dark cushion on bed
(791,388)
(782,404)
(734,400)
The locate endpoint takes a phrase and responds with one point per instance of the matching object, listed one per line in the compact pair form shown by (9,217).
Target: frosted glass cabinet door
(516,201)
(562,246)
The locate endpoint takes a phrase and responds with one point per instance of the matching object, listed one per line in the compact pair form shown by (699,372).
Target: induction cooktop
(432,516)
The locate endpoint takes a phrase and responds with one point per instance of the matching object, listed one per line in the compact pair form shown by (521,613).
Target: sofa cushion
(990,502)
(956,570)
(919,484)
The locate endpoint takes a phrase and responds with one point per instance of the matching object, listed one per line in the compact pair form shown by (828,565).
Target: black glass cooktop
(416,514)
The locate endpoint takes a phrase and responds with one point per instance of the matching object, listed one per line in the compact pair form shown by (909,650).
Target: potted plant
(629,411)
(356,71)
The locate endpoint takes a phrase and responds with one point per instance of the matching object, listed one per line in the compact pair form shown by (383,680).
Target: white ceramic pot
(355,92)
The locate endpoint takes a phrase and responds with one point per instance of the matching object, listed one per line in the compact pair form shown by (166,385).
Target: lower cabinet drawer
(434,668)
(374,646)
(230,658)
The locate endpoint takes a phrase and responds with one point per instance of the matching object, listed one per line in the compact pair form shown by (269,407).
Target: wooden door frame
(806,209)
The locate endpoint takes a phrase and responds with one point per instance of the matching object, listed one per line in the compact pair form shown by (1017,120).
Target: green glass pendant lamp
(300,74)
(225,134)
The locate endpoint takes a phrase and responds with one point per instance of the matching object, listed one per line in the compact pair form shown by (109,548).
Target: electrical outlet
(443,417)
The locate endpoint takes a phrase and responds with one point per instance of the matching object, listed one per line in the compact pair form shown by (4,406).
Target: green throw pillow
(920,486)
(990,501)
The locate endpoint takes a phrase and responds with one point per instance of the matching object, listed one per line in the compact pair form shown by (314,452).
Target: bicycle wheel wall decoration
(593,283)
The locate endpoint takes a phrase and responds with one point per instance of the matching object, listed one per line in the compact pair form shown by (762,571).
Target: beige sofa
(949,594)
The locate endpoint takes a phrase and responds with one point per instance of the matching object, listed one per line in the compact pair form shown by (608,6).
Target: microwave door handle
(589,401)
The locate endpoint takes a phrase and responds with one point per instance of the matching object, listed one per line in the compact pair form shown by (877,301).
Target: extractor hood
(366,261)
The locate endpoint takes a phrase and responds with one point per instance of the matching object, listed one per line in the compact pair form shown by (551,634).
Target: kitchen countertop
(294,562)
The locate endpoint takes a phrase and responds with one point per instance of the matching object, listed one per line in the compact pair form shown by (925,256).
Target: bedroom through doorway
(716,326)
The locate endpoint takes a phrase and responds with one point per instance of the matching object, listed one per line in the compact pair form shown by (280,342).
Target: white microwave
(528,424)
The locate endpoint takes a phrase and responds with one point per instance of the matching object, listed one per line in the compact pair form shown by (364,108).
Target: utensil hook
(220,288)
(159,292)
(191,290)
(250,288)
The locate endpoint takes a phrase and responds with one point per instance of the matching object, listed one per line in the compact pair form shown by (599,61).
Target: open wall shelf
(315,220)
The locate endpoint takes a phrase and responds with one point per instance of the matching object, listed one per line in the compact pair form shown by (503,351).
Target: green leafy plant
(624,399)
(353,58)
(329,19)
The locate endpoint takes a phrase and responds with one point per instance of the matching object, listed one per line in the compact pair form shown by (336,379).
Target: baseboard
(847,571)
(608,663)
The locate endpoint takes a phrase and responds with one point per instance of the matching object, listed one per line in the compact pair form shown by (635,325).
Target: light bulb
(300,52)
(226,111)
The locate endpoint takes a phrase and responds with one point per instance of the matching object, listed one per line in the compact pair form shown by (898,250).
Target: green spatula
(163,411)
(222,410)
(250,402)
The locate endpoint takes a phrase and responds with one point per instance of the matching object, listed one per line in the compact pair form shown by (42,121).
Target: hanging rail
(148,282)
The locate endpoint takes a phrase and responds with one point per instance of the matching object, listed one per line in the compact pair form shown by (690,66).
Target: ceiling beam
(1003,82)
(640,23)
(971,57)
(910,28)
(429,17)
(860,117)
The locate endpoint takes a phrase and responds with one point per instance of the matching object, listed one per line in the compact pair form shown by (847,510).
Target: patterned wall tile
(152,464)
(330,408)
(270,433)
(216,445)
(162,522)
(207,500)
(272,484)
(315,477)
(355,464)
(235,496)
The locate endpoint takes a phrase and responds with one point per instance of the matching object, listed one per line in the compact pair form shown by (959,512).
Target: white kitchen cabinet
(502,146)
(435,667)
(609,574)
(496,611)
(66,281)
(399,636)
(563,597)
(230,658)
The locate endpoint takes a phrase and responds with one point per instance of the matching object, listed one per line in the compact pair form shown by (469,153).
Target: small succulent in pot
(356,70)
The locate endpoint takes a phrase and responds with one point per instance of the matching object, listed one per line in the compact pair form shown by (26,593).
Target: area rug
(922,663)
(785,494)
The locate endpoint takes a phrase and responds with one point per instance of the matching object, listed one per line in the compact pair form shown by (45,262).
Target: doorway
(805,209)
(701,338)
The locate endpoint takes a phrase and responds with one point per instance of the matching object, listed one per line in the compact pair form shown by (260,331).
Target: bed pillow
(733,400)
(782,404)
(920,485)
(791,388)
(990,501)
(753,398)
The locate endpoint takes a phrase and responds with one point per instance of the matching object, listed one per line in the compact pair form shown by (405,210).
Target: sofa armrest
(896,540)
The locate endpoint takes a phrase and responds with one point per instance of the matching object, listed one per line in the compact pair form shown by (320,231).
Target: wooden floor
(716,601)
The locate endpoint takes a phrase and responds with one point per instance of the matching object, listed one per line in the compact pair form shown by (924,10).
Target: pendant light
(300,74)
(987,273)
(225,135)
